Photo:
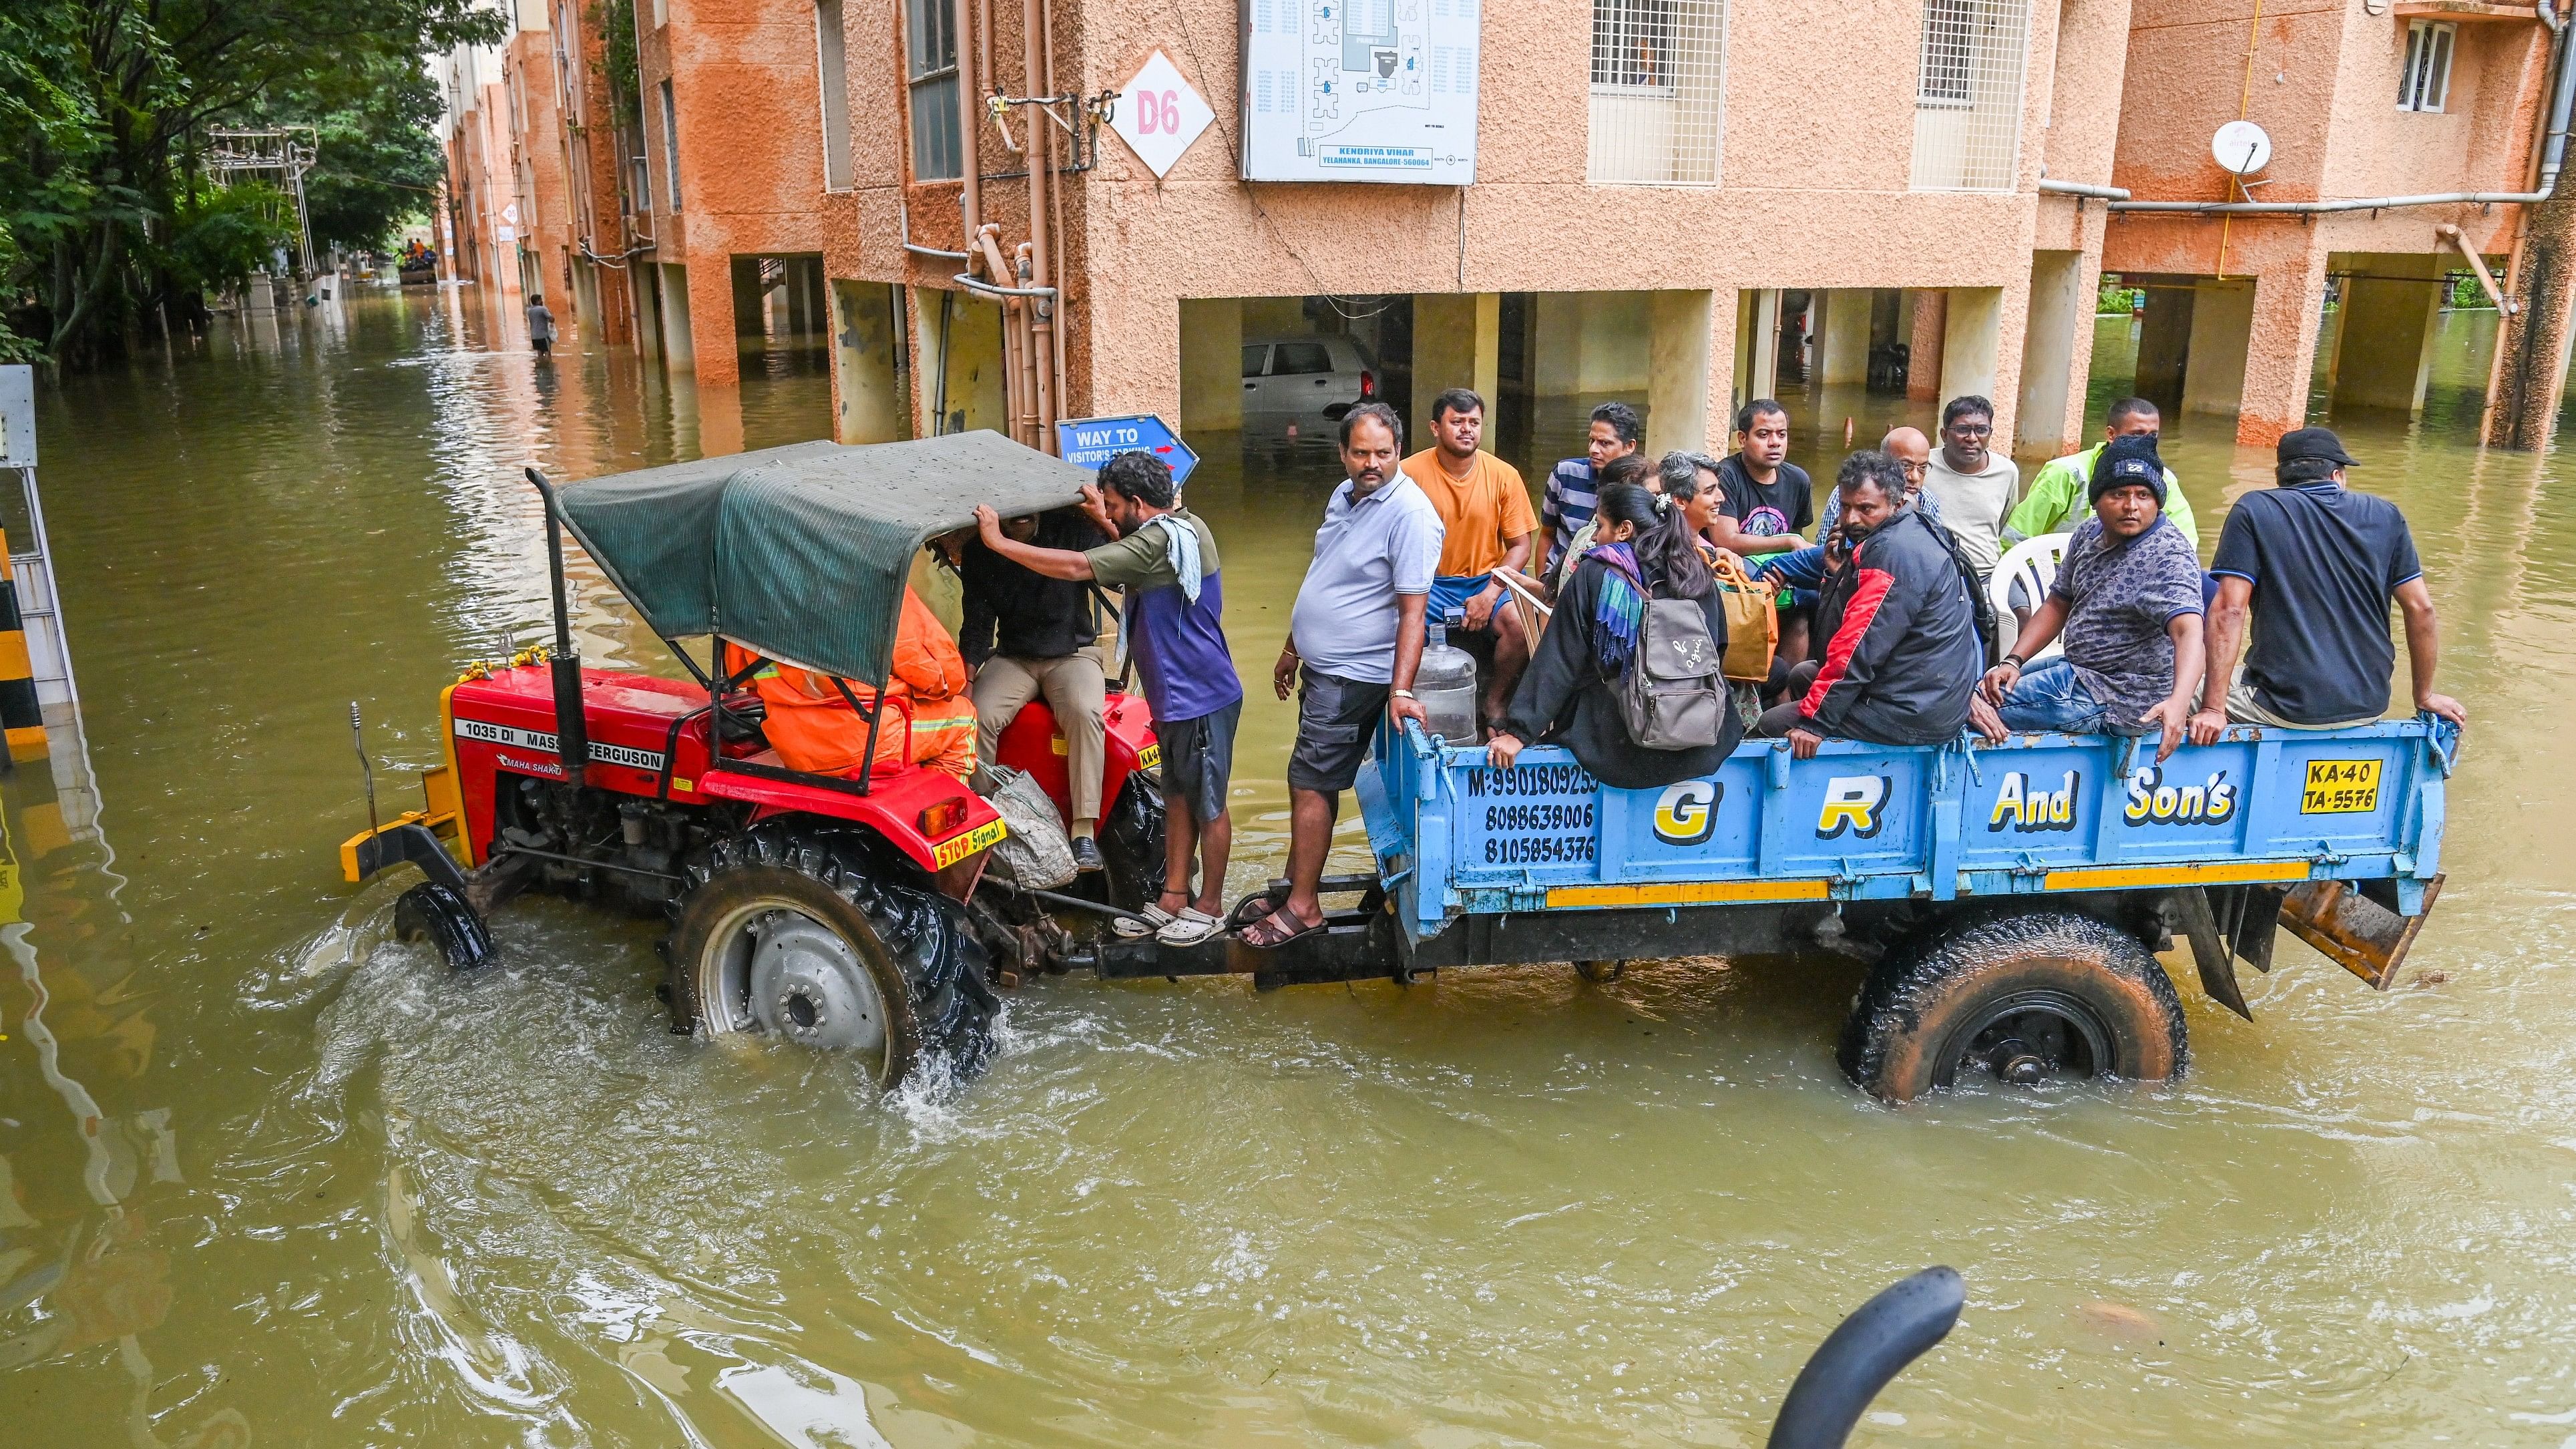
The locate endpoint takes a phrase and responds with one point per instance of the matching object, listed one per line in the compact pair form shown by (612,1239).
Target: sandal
(1269,933)
(1189,928)
(1144,923)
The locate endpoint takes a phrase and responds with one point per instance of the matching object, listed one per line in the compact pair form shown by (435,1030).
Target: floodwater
(265,1178)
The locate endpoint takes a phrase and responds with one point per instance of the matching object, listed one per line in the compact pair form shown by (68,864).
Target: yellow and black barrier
(22,717)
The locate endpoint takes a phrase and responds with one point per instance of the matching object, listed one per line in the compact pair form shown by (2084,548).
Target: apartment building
(2374,100)
(1009,214)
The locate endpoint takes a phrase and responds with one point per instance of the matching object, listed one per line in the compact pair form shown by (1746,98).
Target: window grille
(671,145)
(833,68)
(1967,96)
(2425,84)
(1658,96)
(938,149)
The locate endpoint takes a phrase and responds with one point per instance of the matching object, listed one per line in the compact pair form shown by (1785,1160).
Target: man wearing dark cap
(2318,564)
(2127,597)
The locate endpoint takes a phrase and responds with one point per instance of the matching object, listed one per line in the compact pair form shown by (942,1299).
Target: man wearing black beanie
(2128,600)
(2318,565)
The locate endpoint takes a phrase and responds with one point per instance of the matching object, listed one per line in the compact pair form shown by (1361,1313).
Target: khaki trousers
(1074,688)
(2244,708)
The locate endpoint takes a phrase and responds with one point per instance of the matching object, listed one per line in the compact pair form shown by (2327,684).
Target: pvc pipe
(1858,1358)
(2555,153)
(903,229)
(2315,208)
(2478,264)
(2083,188)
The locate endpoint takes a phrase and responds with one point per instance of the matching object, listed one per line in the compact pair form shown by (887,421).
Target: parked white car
(1296,389)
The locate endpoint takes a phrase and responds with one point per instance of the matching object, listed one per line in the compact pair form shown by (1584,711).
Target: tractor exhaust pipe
(1858,1358)
(572,734)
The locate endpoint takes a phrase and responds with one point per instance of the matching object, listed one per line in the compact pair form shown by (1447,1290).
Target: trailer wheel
(1600,973)
(1132,843)
(805,936)
(434,913)
(2026,996)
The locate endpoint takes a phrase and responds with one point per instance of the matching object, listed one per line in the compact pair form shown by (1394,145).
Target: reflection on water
(272,1179)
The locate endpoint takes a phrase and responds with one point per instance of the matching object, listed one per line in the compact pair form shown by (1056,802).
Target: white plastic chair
(2032,563)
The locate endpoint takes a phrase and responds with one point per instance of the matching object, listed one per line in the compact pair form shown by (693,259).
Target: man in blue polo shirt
(2318,564)
(1354,641)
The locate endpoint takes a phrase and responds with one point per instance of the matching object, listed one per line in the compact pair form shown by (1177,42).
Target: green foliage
(105,109)
(617,63)
(226,233)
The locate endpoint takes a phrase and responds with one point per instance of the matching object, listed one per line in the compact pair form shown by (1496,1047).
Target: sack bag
(1752,620)
(1673,698)
(1037,855)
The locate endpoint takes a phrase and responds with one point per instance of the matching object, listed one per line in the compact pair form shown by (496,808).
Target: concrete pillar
(259,294)
(1923,347)
(743,273)
(679,335)
(2384,346)
(2281,321)
(867,380)
(1757,345)
(711,310)
(1678,347)
(2528,379)
(643,279)
(1844,358)
(1457,342)
(2164,343)
(1212,366)
(1972,344)
(1556,344)
(2052,394)
(2222,320)
(1718,423)
(1587,343)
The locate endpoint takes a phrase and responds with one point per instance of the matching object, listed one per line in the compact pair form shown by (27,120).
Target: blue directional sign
(1090,442)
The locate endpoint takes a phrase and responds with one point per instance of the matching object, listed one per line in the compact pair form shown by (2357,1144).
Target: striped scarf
(1620,611)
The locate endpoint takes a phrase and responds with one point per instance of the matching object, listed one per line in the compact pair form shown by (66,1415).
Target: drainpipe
(2554,150)
(1052,260)
(2084,188)
(2320,208)
(1037,269)
(2477,264)
(970,198)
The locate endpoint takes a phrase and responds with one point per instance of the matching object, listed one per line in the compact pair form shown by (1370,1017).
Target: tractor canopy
(801,553)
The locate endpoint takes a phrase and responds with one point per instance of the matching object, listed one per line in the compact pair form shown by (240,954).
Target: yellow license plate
(948,852)
(2340,787)
(1148,757)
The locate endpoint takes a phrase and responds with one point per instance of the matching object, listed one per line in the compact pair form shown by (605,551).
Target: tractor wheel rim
(2030,1036)
(784,974)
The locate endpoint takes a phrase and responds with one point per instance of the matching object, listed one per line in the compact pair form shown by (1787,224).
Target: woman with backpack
(1627,674)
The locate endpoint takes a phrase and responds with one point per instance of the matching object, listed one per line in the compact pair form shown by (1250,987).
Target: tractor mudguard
(409,841)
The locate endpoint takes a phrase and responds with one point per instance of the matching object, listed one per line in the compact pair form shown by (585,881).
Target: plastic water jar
(1446,686)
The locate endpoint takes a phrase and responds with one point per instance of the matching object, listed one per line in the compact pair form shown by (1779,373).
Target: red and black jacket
(1901,645)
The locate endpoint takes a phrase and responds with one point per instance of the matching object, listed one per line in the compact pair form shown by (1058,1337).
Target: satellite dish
(2241,147)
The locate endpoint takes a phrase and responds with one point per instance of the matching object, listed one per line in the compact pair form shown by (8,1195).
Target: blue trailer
(2011,896)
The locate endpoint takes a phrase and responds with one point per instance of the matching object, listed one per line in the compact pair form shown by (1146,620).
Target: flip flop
(1252,908)
(1144,923)
(1189,928)
(1268,934)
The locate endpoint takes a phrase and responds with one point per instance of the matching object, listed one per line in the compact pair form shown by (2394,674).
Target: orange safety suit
(814,729)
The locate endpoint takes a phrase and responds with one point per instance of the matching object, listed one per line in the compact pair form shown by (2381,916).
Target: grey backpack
(1674,696)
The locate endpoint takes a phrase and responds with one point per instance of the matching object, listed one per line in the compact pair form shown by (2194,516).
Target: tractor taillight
(943,818)
(1368,385)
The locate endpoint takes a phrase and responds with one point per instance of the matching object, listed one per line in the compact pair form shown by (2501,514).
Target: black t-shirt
(2324,562)
(1034,617)
(1786,504)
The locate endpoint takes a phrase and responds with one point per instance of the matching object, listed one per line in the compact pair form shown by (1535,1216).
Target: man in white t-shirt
(1976,487)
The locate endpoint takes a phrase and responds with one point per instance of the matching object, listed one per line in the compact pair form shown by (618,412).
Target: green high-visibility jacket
(2056,502)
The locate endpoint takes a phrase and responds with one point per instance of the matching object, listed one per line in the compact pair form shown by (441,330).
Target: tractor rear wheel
(804,935)
(2026,996)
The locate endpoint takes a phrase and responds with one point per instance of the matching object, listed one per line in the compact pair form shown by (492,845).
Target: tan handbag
(1752,619)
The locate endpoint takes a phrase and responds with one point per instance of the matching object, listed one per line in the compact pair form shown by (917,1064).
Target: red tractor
(840,912)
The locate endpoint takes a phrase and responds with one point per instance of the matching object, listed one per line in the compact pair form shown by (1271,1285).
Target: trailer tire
(857,959)
(2028,994)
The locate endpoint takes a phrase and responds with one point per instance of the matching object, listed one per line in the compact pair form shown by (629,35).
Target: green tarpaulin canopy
(801,552)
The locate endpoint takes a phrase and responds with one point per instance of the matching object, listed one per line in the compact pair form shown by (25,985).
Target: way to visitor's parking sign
(1090,442)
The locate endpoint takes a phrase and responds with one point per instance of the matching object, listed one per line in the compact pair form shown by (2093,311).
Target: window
(829,49)
(1658,98)
(2426,82)
(1254,357)
(938,150)
(671,144)
(1301,357)
(1967,94)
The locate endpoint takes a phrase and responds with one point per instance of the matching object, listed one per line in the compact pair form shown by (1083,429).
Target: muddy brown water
(265,1178)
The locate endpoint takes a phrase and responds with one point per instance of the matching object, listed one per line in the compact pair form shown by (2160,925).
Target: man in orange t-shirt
(1485,512)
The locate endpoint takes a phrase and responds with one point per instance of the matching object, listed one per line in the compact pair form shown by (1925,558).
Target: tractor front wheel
(2025,997)
(802,935)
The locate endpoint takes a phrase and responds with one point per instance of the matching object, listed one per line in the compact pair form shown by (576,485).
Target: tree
(105,106)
